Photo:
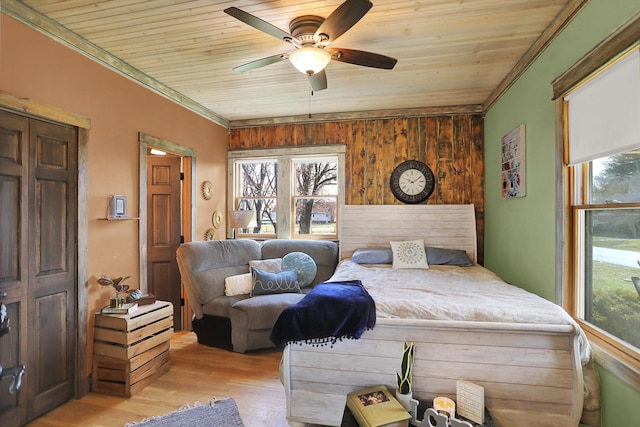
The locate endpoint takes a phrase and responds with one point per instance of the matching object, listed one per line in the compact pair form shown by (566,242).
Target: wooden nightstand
(131,351)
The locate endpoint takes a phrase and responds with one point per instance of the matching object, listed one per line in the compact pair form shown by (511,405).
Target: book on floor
(377,407)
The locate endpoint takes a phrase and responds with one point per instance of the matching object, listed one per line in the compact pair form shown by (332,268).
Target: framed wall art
(513,163)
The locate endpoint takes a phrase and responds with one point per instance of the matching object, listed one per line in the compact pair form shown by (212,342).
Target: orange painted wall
(34,66)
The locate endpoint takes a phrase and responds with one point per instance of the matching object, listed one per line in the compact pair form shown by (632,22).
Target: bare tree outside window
(258,191)
(299,192)
(317,179)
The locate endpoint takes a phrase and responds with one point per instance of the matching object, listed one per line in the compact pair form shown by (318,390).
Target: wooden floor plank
(198,374)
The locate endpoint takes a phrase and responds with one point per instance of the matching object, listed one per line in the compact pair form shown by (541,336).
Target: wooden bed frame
(532,374)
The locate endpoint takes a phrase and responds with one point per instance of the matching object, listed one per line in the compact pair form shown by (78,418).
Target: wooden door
(38,194)
(164,231)
(14,272)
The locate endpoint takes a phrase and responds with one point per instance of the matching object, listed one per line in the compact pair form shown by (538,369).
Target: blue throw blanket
(330,312)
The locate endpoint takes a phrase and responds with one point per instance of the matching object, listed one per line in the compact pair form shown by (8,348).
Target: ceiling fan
(311,35)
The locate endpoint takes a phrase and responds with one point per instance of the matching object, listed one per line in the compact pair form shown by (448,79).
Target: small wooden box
(131,351)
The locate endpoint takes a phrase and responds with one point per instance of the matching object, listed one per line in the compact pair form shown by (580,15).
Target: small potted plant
(404,390)
(118,285)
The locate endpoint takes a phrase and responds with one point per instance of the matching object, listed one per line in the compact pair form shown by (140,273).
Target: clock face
(412,182)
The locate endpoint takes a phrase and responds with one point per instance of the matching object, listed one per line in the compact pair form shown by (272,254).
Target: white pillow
(271,265)
(409,254)
(238,285)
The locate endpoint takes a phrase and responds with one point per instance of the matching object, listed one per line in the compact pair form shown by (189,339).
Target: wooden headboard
(443,226)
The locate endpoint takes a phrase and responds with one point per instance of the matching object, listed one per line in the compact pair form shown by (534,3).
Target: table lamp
(240,219)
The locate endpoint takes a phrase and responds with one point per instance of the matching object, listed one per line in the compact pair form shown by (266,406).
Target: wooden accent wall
(452,146)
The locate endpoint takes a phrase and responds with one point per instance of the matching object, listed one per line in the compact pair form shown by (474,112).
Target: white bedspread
(467,294)
(453,293)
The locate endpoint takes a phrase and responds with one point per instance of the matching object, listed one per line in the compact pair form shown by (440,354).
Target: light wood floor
(198,373)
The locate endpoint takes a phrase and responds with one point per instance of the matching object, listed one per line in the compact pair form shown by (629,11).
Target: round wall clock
(216,219)
(412,182)
(207,190)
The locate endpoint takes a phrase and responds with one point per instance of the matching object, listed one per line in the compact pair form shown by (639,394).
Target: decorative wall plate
(207,190)
(209,234)
(216,219)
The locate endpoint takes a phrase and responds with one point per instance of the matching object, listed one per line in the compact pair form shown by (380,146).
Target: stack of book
(376,407)
(126,308)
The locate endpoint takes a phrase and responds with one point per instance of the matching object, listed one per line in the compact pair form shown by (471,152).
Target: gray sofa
(241,323)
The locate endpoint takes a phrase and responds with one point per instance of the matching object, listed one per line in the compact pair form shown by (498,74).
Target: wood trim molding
(361,115)
(623,38)
(562,208)
(167,145)
(82,381)
(288,151)
(35,108)
(619,364)
(557,25)
(189,163)
(57,32)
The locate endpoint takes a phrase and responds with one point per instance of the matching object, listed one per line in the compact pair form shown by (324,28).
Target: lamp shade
(310,60)
(240,219)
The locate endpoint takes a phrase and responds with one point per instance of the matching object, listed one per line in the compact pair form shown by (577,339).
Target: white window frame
(294,198)
(285,197)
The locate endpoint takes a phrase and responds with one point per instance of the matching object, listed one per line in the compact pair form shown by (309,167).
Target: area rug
(217,413)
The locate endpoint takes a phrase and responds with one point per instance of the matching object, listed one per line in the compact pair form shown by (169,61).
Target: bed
(529,358)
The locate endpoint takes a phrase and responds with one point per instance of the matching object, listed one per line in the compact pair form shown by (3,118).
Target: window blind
(604,113)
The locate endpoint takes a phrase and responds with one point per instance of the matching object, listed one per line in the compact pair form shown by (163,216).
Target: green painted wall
(520,233)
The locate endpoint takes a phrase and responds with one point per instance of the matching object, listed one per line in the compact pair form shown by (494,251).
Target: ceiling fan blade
(318,80)
(258,23)
(343,18)
(360,57)
(261,62)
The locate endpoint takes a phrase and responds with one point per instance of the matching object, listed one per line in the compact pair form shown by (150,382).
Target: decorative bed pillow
(409,254)
(265,283)
(272,265)
(238,285)
(435,256)
(373,256)
(303,265)
(440,256)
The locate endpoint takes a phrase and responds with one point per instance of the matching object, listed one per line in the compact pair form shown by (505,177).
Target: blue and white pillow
(304,266)
(266,283)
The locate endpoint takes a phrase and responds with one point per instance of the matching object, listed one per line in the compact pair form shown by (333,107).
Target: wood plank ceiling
(458,54)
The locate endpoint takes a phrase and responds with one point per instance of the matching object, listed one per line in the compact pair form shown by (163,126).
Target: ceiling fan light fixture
(310,60)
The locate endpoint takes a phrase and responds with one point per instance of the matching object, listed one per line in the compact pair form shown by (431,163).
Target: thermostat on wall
(117,207)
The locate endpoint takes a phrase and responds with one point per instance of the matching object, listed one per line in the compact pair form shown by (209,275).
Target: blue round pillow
(304,266)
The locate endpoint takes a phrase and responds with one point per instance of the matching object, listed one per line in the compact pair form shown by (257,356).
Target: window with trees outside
(606,213)
(315,196)
(603,152)
(257,191)
(294,192)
